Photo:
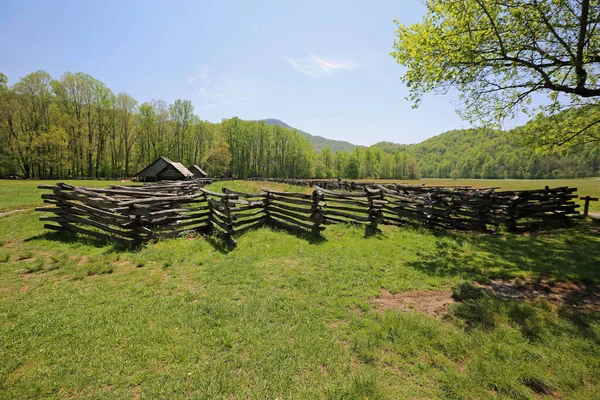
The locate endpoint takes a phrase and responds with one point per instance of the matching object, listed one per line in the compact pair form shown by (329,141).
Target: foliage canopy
(507,57)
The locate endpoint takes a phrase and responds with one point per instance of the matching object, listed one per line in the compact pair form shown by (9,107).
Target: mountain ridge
(319,142)
(481,153)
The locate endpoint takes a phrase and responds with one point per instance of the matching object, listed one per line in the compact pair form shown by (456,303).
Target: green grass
(23,194)
(286,316)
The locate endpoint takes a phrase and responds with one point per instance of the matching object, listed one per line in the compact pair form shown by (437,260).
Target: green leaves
(498,54)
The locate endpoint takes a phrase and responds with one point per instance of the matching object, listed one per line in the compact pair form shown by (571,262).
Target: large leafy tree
(504,57)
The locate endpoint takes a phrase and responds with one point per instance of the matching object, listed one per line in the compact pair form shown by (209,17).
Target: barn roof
(164,163)
(184,171)
(165,159)
(197,170)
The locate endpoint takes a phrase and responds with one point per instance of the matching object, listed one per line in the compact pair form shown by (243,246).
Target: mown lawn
(286,316)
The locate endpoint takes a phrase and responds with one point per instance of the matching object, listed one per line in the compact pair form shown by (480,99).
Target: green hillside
(466,154)
(488,154)
(319,142)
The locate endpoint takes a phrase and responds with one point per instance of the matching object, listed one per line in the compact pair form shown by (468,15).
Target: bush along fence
(137,214)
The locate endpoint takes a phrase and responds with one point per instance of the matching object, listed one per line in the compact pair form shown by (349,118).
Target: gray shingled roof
(178,166)
(184,171)
(194,168)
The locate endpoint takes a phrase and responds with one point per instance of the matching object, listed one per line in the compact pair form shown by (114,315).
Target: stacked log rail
(92,212)
(295,211)
(180,188)
(172,216)
(321,183)
(459,207)
(530,209)
(445,208)
(248,211)
(127,214)
(232,213)
(345,185)
(140,213)
(353,207)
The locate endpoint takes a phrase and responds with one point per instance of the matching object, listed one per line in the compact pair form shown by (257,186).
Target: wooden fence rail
(137,214)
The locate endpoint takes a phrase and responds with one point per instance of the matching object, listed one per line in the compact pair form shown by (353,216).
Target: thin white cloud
(331,65)
(318,67)
(216,90)
(304,66)
(203,75)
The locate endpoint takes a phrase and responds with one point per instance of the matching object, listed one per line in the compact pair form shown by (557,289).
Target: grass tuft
(467,291)
(540,385)
(363,385)
(35,266)
(25,255)
(98,268)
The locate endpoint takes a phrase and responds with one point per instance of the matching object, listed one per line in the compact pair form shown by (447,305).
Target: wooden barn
(164,169)
(198,172)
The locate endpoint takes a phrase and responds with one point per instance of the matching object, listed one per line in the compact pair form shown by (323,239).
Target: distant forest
(489,154)
(76,126)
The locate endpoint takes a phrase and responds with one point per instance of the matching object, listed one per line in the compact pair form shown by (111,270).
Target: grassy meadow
(288,316)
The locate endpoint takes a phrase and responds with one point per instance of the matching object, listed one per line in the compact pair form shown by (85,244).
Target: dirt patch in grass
(83,260)
(580,295)
(429,302)
(24,368)
(5,213)
(123,263)
(585,296)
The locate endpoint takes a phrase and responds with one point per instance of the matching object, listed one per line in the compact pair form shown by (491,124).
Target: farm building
(198,172)
(164,169)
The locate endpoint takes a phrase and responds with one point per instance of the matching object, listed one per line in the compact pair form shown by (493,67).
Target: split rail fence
(137,214)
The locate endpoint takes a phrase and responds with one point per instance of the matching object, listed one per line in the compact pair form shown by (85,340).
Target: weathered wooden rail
(137,214)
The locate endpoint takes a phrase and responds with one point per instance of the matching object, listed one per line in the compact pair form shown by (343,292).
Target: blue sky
(321,66)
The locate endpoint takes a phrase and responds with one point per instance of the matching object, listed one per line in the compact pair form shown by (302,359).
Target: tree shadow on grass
(583,320)
(564,254)
(310,237)
(485,309)
(225,246)
(218,243)
(74,238)
(374,232)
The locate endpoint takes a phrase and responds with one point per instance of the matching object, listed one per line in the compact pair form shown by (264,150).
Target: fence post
(317,212)
(267,202)
(230,232)
(586,205)
(483,212)
(375,214)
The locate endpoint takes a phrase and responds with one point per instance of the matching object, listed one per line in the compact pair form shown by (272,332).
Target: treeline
(76,126)
(489,154)
(370,162)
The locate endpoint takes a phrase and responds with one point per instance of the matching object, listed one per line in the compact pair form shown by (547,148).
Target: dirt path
(4,214)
